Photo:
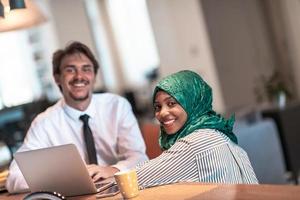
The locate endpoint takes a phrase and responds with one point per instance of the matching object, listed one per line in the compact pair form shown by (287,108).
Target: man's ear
(57,81)
(56,78)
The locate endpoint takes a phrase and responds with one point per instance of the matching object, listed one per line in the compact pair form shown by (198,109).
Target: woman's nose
(164,112)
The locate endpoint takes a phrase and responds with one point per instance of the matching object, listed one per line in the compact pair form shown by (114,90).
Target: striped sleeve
(174,165)
(203,156)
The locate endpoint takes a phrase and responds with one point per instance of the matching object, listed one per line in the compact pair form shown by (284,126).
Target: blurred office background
(247,50)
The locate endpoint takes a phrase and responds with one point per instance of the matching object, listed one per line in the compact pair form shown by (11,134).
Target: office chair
(261,142)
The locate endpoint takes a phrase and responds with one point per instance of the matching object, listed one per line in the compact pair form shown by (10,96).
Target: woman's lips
(168,123)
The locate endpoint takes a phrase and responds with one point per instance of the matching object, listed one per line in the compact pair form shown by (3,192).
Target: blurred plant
(269,88)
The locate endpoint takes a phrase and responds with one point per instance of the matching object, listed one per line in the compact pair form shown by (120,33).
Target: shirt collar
(75,114)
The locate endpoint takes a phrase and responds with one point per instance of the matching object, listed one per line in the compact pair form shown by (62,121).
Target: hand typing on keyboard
(98,172)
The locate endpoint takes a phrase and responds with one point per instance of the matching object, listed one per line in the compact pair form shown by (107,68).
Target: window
(18,79)
(134,37)
(124,40)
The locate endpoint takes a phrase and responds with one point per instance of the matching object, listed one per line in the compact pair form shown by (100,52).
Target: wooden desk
(196,191)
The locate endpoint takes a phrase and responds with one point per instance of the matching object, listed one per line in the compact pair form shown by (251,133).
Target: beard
(80,98)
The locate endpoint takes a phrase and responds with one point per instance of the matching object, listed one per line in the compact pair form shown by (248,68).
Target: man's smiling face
(76,78)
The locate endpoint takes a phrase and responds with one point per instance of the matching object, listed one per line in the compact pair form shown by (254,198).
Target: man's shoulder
(109,98)
(51,112)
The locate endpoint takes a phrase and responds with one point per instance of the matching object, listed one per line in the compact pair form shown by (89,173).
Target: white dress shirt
(118,140)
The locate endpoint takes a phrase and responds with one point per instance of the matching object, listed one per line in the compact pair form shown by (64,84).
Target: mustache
(76,80)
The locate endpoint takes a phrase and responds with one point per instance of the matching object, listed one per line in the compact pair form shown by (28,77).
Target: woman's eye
(171,103)
(157,108)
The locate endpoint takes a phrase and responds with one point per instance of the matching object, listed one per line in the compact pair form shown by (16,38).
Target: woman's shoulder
(206,134)
(207,138)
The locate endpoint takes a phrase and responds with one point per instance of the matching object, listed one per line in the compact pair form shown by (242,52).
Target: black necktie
(89,140)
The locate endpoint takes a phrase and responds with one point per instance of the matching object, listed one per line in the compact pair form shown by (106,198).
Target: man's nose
(79,74)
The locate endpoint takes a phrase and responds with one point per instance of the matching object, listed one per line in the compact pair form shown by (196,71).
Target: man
(118,144)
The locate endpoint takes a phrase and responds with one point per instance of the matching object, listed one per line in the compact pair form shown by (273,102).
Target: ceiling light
(20,18)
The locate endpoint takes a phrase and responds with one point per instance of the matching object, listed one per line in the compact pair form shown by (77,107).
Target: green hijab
(195,97)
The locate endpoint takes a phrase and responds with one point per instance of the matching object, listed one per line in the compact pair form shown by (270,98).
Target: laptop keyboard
(103,186)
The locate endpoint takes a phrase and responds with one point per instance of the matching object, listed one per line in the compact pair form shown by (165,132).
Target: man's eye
(69,70)
(87,69)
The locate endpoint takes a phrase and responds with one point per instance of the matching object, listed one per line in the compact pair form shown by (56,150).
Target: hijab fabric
(195,96)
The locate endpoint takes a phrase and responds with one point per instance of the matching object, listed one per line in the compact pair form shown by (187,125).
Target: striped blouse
(206,155)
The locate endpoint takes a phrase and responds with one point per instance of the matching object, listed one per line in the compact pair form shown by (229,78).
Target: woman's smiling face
(169,113)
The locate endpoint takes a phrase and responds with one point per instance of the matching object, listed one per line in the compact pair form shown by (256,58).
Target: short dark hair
(70,49)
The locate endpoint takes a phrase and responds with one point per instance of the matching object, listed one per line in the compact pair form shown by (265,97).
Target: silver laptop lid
(59,169)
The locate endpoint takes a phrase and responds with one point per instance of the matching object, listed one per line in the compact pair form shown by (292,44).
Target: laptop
(56,169)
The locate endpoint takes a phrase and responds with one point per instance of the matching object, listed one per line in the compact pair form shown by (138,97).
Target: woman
(198,144)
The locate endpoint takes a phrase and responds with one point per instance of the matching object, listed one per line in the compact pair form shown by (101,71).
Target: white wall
(227,42)
(241,48)
(71,24)
(182,41)
(291,9)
